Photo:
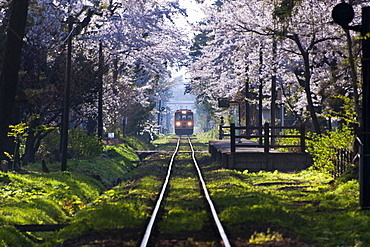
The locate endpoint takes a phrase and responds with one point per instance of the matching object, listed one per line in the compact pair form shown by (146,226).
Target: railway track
(178,167)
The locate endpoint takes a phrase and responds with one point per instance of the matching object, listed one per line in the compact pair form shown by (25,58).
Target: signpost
(225,102)
(343,14)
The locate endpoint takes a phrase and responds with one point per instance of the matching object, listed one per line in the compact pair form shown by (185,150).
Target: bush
(80,144)
(209,135)
(10,236)
(321,147)
(289,141)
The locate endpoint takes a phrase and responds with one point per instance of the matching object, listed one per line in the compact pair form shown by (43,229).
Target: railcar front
(184,122)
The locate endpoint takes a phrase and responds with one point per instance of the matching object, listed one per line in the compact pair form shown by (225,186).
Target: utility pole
(159,112)
(100,93)
(260,98)
(273,91)
(65,118)
(365,165)
(247,106)
(343,14)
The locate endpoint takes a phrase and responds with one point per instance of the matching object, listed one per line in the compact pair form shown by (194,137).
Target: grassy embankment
(35,197)
(305,207)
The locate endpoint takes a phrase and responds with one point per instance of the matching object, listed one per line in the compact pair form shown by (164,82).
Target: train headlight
(190,123)
(178,123)
(183,112)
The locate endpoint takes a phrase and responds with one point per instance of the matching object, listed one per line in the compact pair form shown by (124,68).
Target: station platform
(255,158)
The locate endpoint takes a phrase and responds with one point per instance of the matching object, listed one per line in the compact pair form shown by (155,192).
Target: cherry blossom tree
(301,48)
(143,44)
(140,46)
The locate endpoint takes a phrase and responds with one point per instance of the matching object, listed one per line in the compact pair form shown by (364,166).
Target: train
(184,122)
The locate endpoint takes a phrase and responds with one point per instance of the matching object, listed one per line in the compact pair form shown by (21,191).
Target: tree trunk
(10,66)
(29,147)
(307,89)
(307,80)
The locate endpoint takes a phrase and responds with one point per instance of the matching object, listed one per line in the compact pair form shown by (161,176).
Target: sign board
(110,135)
(223,102)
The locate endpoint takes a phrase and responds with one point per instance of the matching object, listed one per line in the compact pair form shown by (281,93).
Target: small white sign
(110,135)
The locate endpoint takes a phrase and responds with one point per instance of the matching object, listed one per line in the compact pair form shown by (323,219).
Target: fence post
(266,137)
(303,138)
(232,137)
(220,134)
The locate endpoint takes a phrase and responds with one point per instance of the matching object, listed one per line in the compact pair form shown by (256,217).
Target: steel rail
(149,228)
(212,207)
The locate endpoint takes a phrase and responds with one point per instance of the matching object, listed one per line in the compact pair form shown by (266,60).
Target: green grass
(204,137)
(185,208)
(125,206)
(306,207)
(303,206)
(53,198)
(164,139)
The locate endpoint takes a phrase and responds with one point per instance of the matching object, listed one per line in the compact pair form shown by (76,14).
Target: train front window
(183,118)
(190,117)
(178,117)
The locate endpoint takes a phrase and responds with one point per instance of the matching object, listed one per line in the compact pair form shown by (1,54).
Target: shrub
(80,144)
(289,141)
(209,135)
(321,147)
(10,236)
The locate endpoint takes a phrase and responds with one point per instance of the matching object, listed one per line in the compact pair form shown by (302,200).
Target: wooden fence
(266,134)
(342,160)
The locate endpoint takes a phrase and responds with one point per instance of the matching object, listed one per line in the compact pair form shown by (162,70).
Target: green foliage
(136,143)
(121,151)
(183,219)
(106,170)
(80,144)
(260,238)
(163,139)
(49,144)
(51,198)
(262,207)
(294,141)
(366,36)
(36,198)
(10,236)
(83,145)
(124,206)
(104,216)
(284,10)
(292,207)
(348,114)
(33,198)
(209,135)
(321,147)
(18,131)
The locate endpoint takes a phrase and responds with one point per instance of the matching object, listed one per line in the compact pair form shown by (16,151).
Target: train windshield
(179,116)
